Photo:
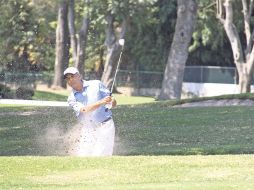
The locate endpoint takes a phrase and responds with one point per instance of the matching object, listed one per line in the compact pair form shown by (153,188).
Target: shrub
(5,92)
(24,93)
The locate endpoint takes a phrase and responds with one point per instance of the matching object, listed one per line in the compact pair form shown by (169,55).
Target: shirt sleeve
(76,106)
(103,90)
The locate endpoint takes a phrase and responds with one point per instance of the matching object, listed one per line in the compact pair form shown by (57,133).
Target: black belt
(107,119)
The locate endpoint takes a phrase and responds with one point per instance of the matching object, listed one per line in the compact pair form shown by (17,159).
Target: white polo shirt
(92,92)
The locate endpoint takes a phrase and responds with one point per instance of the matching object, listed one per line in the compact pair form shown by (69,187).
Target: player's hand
(106,100)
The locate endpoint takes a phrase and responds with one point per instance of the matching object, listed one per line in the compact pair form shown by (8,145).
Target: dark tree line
(48,36)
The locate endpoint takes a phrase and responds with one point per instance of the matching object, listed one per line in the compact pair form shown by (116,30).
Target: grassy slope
(147,129)
(124,100)
(161,129)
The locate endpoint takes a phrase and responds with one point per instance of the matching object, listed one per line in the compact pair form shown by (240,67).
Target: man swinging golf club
(90,101)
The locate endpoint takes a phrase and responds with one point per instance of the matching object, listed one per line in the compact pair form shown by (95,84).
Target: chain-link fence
(195,74)
(137,79)
(25,79)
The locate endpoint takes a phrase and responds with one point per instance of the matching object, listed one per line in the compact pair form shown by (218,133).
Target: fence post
(137,78)
(236,76)
(201,75)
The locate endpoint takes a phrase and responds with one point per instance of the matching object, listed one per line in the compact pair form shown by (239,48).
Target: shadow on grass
(34,130)
(141,130)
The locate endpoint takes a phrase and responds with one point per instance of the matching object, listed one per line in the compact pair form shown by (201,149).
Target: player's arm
(96,105)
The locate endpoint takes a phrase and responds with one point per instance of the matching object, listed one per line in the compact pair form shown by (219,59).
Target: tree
(113,49)
(79,40)
(72,29)
(25,34)
(243,50)
(62,45)
(119,18)
(178,54)
(113,33)
(210,45)
(81,45)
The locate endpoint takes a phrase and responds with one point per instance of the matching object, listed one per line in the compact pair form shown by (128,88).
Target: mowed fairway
(140,172)
(157,147)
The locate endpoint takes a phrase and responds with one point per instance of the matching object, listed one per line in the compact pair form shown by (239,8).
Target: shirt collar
(85,84)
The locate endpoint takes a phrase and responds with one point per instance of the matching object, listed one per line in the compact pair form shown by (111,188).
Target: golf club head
(121,42)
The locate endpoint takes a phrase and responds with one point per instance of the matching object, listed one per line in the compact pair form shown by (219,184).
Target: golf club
(121,42)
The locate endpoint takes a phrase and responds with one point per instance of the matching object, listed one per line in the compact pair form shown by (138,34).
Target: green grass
(221,97)
(130,100)
(63,95)
(50,96)
(128,173)
(157,147)
(145,129)
(161,129)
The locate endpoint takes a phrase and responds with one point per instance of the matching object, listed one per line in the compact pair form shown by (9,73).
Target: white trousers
(96,139)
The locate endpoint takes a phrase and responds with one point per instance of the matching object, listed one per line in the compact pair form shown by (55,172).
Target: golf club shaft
(118,63)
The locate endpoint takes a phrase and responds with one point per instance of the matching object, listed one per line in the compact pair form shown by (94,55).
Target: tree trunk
(62,45)
(99,65)
(243,58)
(178,54)
(113,50)
(72,30)
(78,41)
(245,77)
(81,45)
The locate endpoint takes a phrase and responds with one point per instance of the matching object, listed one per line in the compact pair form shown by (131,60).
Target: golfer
(88,100)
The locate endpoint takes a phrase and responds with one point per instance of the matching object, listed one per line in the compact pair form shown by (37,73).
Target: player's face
(74,81)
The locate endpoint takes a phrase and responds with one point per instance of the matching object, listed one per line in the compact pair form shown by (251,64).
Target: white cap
(71,70)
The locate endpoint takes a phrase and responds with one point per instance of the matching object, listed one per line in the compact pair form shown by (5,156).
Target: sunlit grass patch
(139,172)
(50,96)
(62,96)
